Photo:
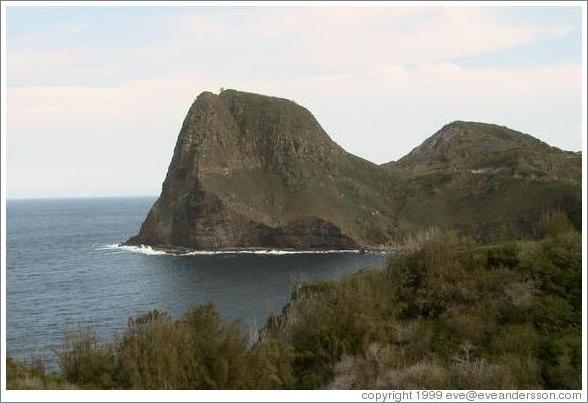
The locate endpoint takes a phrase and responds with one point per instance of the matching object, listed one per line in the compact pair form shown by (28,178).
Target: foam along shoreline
(148,250)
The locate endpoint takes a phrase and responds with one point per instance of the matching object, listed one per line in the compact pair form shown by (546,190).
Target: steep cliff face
(256,171)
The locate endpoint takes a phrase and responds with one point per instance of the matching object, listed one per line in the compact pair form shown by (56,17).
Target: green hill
(487,179)
(253,171)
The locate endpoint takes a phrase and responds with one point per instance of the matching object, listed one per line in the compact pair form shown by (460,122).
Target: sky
(96,95)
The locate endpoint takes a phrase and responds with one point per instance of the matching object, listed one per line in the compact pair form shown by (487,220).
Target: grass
(445,312)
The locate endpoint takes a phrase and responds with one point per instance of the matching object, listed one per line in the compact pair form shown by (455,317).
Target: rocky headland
(253,171)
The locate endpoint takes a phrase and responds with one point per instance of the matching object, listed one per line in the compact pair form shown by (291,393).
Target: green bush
(21,376)
(85,361)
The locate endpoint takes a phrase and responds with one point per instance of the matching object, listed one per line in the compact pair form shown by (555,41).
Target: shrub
(23,375)
(421,375)
(516,339)
(562,361)
(505,255)
(155,353)
(195,352)
(270,364)
(85,361)
(220,349)
(479,374)
(523,371)
(555,223)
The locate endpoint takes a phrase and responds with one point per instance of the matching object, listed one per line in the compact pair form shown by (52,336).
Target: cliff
(257,171)
(253,171)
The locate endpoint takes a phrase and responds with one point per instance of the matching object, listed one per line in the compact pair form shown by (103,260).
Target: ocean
(65,272)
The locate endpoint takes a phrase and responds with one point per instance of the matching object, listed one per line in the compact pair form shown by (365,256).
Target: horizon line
(78,197)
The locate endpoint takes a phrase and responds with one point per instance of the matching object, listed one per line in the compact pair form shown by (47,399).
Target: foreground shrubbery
(444,313)
(156,352)
(32,376)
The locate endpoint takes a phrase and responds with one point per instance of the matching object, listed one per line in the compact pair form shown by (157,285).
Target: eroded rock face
(256,171)
(252,171)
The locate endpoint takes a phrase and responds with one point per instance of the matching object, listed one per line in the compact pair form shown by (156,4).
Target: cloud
(349,36)
(74,105)
(491,83)
(73,28)
(104,119)
(278,42)
(140,103)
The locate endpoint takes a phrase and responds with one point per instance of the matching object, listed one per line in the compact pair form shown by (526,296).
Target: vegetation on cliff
(486,180)
(445,312)
(250,170)
(256,171)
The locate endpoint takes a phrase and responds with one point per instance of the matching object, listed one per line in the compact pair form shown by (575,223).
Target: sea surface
(65,272)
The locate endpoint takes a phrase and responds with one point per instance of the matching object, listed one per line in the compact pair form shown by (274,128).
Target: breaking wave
(148,250)
(144,249)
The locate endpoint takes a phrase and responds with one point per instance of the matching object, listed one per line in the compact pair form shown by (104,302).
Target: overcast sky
(97,95)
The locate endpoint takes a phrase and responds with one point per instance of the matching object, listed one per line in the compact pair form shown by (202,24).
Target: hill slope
(256,171)
(253,171)
(487,178)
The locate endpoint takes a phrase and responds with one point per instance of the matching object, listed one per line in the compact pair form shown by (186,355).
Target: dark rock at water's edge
(253,171)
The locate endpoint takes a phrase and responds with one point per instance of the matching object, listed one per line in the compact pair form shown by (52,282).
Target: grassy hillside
(445,312)
(489,148)
(486,180)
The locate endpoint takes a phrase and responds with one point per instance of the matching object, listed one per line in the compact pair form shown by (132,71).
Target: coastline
(182,251)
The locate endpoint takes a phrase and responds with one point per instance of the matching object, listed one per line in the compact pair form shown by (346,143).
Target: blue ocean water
(64,274)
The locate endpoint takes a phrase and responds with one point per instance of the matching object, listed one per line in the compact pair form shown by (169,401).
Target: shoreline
(182,251)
